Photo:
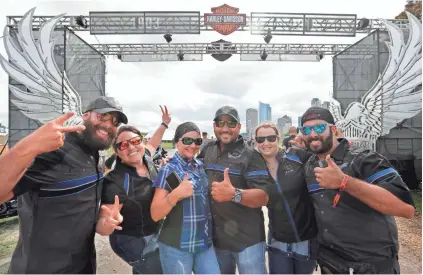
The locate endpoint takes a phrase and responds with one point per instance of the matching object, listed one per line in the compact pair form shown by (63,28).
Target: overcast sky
(193,91)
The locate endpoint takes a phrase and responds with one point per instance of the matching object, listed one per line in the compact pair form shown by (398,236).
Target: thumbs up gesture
(112,216)
(185,188)
(223,191)
(329,177)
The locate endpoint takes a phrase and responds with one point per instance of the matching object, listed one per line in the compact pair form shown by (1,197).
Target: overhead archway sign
(225,19)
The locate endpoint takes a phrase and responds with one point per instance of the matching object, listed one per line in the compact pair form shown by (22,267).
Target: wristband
(165,125)
(168,200)
(341,188)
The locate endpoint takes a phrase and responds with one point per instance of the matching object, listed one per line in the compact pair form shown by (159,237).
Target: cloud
(195,90)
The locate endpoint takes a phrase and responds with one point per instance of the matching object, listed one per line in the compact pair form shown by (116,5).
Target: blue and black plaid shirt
(195,218)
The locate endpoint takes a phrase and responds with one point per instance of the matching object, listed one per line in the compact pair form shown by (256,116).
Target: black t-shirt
(135,193)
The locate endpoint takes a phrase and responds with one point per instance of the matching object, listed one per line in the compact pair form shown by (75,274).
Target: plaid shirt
(196,234)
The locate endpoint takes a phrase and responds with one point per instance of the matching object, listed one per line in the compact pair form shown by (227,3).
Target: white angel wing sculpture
(31,62)
(395,96)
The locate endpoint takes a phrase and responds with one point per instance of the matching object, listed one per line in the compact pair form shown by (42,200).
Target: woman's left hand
(166,116)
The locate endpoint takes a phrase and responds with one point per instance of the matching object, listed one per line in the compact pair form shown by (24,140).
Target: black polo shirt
(236,227)
(293,206)
(135,193)
(58,204)
(352,229)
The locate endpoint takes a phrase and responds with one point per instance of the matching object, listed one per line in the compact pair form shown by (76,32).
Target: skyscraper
(315,102)
(325,104)
(283,125)
(251,121)
(265,112)
(299,121)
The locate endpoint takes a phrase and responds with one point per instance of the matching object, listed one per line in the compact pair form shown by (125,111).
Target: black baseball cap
(315,113)
(227,110)
(105,104)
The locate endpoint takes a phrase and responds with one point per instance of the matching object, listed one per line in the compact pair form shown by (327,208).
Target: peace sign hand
(112,215)
(166,116)
(51,136)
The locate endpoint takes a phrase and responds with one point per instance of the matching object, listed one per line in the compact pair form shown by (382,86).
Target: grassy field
(417,196)
(8,239)
(167,145)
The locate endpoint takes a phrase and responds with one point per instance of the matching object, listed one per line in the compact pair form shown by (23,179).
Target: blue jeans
(291,258)
(175,261)
(251,260)
(139,252)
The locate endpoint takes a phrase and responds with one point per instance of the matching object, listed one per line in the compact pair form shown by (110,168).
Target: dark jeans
(280,263)
(131,249)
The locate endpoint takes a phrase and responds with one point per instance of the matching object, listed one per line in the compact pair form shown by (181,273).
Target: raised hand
(185,188)
(298,142)
(166,116)
(51,136)
(329,177)
(111,215)
(223,191)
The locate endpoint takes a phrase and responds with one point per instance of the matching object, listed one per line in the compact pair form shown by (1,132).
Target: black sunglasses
(271,138)
(189,141)
(123,145)
(230,123)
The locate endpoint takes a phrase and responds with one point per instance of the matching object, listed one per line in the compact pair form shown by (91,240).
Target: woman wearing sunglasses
(131,180)
(292,226)
(181,196)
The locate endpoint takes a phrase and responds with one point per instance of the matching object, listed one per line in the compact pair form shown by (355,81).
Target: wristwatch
(237,197)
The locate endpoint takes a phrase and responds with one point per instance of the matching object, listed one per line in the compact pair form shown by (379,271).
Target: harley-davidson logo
(225,19)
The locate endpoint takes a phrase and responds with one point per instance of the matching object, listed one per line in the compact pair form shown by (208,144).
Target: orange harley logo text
(225,19)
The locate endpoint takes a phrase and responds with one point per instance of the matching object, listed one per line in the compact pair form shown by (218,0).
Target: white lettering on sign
(225,18)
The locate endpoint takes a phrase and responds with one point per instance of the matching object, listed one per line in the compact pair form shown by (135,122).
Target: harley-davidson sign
(225,19)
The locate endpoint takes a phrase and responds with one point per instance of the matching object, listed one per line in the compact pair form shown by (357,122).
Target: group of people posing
(328,203)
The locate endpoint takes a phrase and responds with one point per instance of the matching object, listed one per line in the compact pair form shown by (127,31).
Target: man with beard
(240,186)
(59,198)
(356,194)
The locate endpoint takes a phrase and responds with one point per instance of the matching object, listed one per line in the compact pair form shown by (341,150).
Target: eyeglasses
(189,141)
(230,123)
(108,116)
(125,144)
(271,138)
(318,129)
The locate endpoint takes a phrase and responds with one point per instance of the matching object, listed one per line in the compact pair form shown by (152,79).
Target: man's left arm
(376,183)
(259,181)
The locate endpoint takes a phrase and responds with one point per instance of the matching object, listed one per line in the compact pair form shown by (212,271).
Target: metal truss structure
(193,23)
(218,48)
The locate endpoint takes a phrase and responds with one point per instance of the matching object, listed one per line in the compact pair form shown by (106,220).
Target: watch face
(237,198)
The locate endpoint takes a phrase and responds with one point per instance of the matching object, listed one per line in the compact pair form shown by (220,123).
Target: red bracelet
(344,182)
(341,188)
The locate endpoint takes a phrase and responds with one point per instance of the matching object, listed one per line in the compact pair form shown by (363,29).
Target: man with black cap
(356,194)
(240,187)
(59,198)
